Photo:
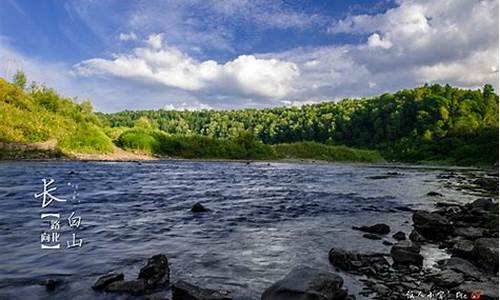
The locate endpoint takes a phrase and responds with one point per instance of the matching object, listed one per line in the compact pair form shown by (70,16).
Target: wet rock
(105,280)
(416,237)
(367,264)
(432,225)
(469,270)
(137,286)
(486,253)
(486,290)
(462,248)
(405,253)
(198,207)
(156,271)
(387,243)
(447,278)
(377,228)
(307,283)
(182,290)
(471,233)
(50,284)
(400,236)
(371,236)
(487,183)
(434,194)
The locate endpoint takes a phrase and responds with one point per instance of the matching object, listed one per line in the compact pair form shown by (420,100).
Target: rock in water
(198,207)
(186,291)
(434,194)
(50,284)
(107,279)
(416,237)
(486,253)
(371,236)
(307,283)
(137,286)
(400,236)
(377,228)
(156,271)
(432,225)
(405,253)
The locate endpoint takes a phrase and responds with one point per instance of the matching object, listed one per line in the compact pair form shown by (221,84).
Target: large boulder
(156,271)
(182,290)
(432,226)
(405,253)
(377,228)
(485,253)
(307,283)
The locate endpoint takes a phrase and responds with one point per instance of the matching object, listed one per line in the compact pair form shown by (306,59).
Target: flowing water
(264,219)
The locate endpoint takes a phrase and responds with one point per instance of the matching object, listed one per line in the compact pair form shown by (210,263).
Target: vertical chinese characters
(51,239)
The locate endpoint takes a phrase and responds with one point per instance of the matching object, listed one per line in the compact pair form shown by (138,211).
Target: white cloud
(131,36)
(375,41)
(157,63)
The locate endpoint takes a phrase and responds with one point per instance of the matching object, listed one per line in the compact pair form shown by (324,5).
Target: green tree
(20,79)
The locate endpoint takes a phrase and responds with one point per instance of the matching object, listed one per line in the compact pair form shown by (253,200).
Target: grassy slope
(42,115)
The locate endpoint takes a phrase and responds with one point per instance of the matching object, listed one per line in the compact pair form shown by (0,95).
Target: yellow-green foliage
(312,150)
(41,114)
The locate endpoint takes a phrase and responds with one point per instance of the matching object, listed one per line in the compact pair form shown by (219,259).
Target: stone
(198,207)
(387,243)
(50,284)
(371,236)
(470,233)
(307,283)
(156,271)
(182,290)
(105,280)
(357,263)
(137,286)
(463,248)
(377,228)
(485,253)
(416,237)
(448,278)
(432,225)
(406,253)
(463,266)
(434,194)
(400,236)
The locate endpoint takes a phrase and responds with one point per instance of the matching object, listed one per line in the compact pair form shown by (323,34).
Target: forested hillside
(428,123)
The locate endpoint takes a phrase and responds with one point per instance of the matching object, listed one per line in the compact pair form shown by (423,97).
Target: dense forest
(428,123)
(432,123)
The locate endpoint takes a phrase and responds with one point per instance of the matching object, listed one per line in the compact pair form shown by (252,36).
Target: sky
(221,54)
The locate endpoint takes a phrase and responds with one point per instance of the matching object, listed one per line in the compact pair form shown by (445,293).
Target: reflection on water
(264,220)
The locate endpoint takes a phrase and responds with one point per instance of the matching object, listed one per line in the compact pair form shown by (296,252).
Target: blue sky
(225,54)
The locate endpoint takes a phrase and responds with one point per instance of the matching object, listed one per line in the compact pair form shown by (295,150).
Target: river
(264,219)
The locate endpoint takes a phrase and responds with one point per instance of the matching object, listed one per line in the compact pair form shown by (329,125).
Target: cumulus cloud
(416,42)
(157,63)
